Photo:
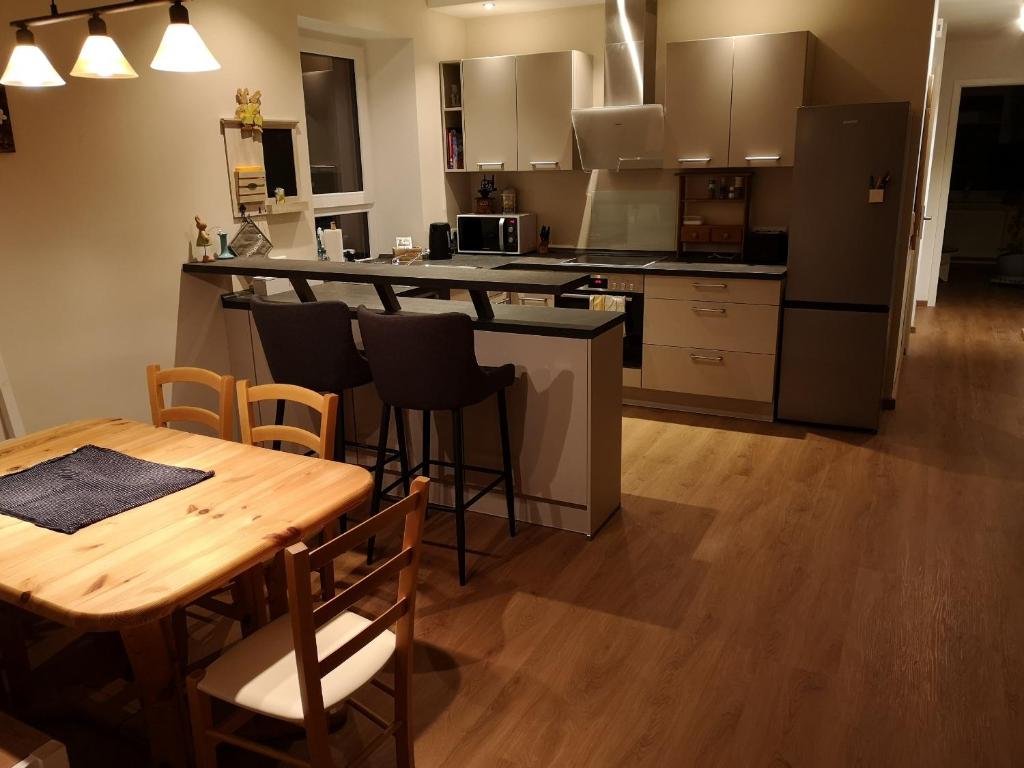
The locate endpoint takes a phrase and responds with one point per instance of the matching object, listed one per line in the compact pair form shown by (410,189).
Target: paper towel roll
(334,244)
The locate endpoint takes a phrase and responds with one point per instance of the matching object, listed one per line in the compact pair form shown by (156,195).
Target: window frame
(344,202)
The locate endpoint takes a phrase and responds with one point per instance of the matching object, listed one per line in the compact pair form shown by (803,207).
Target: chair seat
(260,673)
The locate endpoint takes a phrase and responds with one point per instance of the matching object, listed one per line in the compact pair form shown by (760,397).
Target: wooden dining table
(130,573)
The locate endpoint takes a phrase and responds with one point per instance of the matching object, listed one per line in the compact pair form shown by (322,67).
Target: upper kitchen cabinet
(548,87)
(770,74)
(489,113)
(731,102)
(698,103)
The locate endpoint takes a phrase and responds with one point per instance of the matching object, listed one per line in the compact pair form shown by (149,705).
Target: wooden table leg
(15,668)
(249,594)
(159,678)
(277,588)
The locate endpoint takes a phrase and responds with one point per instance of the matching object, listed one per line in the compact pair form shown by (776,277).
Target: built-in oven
(510,233)
(631,288)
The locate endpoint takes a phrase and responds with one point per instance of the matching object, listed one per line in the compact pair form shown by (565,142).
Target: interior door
(489,113)
(768,87)
(842,247)
(698,100)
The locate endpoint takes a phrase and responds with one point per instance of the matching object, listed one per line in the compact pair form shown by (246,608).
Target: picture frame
(6,127)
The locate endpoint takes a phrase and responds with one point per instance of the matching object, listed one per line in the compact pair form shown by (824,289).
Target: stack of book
(455,149)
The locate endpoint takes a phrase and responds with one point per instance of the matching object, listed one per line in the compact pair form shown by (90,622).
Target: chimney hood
(629,131)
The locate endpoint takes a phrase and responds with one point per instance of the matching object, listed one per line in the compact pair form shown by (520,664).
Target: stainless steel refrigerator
(844,239)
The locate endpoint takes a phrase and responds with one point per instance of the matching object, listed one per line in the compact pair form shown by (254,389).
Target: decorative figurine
(202,239)
(487,186)
(249,108)
(225,252)
(279,194)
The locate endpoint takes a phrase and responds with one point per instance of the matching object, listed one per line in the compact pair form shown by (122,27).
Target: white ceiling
(475,9)
(980,17)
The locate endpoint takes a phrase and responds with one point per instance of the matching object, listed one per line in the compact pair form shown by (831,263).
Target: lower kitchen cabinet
(709,372)
(711,325)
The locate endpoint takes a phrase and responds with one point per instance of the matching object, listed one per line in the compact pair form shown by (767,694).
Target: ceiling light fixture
(490,6)
(181,50)
(1020,18)
(28,66)
(100,57)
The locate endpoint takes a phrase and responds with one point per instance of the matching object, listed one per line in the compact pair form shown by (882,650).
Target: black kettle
(440,243)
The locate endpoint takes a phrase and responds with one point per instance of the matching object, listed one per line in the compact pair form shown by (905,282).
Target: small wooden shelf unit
(725,219)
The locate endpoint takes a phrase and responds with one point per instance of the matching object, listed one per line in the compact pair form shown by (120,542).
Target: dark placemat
(70,492)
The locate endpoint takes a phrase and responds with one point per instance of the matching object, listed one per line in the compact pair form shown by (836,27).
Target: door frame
(942,194)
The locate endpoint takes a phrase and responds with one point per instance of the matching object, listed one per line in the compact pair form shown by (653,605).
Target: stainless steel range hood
(628,132)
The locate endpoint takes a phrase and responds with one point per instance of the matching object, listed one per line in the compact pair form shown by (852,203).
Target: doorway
(983,241)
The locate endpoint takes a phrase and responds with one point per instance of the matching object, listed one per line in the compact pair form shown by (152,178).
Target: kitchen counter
(666,267)
(528,320)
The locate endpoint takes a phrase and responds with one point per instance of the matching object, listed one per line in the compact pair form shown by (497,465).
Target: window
(334,91)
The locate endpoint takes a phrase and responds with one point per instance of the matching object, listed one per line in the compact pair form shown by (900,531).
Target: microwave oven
(497,232)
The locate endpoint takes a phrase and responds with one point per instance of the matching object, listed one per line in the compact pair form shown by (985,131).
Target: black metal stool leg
(506,463)
(279,420)
(460,496)
(378,474)
(403,448)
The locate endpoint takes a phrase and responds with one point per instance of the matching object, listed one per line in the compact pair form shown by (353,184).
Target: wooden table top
(139,566)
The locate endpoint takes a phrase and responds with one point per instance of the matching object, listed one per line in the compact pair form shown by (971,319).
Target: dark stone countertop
(669,265)
(529,320)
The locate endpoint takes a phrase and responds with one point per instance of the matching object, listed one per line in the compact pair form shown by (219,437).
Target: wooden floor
(769,595)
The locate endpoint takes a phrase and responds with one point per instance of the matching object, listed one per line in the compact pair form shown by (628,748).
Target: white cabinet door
(548,87)
(489,113)
(698,97)
(769,85)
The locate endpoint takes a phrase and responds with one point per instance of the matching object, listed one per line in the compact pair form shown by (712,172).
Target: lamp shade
(28,66)
(100,57)
(182,49)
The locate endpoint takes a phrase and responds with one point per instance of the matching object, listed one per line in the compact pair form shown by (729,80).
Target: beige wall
(96,206)
(983,60)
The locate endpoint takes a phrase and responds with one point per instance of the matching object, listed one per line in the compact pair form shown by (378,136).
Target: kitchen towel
(614,303)
(70,492)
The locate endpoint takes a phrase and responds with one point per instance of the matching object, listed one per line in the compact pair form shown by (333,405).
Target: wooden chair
(222,422)
(301,666)
(245,603)
(325,405)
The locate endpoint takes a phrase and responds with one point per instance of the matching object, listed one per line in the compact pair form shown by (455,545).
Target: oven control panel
(618,282)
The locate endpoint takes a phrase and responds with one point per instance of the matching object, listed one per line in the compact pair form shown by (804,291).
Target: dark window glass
(355,232)
(332,124)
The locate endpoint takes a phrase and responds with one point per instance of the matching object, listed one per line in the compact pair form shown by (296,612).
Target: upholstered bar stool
(428,363)
(311,345)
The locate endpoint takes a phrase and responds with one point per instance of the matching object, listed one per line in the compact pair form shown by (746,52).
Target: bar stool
(311,345)
(428,363)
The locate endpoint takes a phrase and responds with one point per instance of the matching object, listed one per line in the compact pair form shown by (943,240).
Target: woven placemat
(70,492)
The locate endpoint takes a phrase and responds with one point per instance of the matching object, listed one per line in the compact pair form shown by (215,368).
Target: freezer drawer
(831,367)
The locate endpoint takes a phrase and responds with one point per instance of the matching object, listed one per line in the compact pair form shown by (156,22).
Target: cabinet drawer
(727,234)
(689,287)
(711,325)
(696,234)
(712,373)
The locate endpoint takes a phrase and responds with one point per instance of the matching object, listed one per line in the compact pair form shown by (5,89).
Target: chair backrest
(222,422)
(422,362)
(301,561)
(310,344)
(325,405)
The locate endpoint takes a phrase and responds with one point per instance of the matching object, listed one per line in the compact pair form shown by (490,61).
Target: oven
(631,288)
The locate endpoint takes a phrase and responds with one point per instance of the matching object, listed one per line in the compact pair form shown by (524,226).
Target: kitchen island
(565,407)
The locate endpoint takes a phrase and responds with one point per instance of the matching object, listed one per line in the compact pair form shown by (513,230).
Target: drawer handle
(754,158)
(693,159)
(538,299)
(720,286)
(500,164)
(707,358)
(544,162)
(715,310)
